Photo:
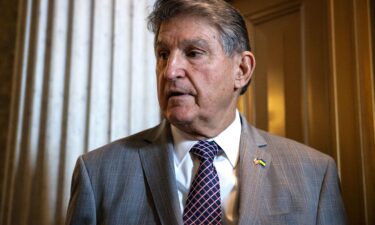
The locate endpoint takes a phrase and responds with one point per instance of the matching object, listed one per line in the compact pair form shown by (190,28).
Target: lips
(178,93)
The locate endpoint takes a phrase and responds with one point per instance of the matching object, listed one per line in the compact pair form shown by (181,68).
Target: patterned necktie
(203,202)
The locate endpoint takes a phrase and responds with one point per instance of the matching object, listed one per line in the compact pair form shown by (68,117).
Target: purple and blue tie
(203,205)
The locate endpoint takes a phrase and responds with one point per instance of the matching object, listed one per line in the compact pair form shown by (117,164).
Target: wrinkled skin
(198,83)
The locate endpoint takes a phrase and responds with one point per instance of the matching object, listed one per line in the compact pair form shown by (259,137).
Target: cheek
(160,89)
(220,82)
(219,90)
(211,92)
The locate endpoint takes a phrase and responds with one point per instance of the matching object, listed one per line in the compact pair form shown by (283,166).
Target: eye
(194,53)
(162,54)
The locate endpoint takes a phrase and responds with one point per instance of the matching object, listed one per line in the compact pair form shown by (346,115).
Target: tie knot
(205,150)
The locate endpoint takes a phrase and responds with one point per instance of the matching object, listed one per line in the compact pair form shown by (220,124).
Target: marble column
(84,76)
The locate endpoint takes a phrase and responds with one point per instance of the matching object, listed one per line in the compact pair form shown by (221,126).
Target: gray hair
(227,20)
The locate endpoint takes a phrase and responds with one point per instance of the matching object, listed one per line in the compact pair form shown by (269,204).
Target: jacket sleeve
(331,209)
(81,209)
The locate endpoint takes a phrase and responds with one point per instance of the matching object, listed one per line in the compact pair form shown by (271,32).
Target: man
(203,65)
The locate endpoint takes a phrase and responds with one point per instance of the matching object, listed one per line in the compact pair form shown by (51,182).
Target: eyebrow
(189,42)
(195,42)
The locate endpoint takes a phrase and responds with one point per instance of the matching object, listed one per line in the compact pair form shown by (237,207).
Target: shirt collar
(228,140)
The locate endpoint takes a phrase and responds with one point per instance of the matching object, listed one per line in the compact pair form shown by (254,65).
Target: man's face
(195,78)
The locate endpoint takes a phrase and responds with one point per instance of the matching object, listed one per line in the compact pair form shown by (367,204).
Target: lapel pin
(259,162)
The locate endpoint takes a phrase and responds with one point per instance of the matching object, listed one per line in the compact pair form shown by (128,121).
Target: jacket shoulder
(124,147)
(284,148)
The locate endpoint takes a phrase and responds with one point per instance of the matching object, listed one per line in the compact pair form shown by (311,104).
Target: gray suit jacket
(132,181)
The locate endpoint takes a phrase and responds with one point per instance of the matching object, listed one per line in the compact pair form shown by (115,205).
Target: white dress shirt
(225,163)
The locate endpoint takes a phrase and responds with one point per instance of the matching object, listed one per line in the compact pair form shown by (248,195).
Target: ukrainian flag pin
(261,162)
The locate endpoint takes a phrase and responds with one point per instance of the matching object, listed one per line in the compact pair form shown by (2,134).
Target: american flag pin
(261,162)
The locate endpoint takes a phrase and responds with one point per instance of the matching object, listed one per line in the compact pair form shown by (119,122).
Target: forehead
(185,27)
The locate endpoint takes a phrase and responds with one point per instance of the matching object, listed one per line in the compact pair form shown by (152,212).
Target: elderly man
(204,164)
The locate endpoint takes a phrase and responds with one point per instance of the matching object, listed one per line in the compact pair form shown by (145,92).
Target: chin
(179,116)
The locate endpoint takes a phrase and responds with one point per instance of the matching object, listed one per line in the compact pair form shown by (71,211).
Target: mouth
(177,94)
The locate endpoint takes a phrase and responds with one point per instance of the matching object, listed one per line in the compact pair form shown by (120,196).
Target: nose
(174,67)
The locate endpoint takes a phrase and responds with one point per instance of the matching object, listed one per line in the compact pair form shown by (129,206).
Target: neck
(208,128)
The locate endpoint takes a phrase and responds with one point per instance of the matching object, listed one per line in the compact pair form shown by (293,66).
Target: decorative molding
(273,12)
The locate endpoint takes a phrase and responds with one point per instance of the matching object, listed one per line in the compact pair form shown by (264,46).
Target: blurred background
(77,74)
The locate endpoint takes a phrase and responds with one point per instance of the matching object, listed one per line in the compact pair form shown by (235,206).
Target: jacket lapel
(251,175)
(157,162)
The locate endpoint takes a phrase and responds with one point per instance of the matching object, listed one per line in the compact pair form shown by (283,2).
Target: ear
(245,69)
